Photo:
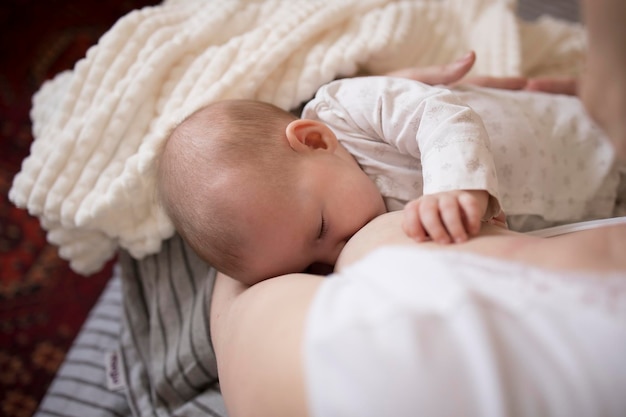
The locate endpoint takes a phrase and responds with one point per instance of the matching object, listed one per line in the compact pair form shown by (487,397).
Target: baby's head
(257,192)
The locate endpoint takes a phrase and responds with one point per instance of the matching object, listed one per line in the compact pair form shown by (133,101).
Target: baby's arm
(445,217)
(403,130)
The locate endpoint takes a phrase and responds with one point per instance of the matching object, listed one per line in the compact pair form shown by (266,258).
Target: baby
(258,192)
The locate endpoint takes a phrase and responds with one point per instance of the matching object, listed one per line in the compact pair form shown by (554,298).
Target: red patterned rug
(42,302)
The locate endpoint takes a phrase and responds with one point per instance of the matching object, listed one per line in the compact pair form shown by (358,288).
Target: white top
(412,332)
(415,139)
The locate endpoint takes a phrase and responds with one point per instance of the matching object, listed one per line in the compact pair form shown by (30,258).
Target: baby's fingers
(432,222)
(452,218)
(411,223)
(472,212)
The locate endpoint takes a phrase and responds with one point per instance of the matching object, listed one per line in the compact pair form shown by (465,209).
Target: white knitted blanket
(98,128)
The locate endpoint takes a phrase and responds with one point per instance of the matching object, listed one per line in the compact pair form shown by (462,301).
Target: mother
(504,324)
(523,326)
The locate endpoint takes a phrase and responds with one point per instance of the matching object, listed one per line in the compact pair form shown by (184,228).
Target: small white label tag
(114,371)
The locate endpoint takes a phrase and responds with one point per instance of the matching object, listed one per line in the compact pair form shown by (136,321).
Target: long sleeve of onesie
(410,138)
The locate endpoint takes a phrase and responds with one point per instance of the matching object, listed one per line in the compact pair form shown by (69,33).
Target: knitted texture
(90,176)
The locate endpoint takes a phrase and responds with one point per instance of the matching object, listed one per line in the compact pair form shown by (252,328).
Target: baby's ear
(306,135)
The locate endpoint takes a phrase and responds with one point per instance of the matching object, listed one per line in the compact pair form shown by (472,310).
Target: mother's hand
(455,73)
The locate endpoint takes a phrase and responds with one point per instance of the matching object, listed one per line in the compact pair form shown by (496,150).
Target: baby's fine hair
(224,138)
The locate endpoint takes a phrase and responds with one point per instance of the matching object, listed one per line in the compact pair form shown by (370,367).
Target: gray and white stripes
(155,312)
(165,342)
(80,389)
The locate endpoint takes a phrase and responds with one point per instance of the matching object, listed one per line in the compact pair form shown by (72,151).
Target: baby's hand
(450,216)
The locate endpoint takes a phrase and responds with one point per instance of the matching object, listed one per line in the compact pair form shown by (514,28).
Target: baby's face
(333,199)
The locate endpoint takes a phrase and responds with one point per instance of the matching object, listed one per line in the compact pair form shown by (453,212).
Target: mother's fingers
(553,85)
(439,74)
(568,85)
(505,83)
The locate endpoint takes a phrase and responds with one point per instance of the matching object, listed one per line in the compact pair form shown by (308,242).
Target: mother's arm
(257,334)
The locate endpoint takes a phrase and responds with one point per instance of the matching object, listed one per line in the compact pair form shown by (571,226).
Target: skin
(597,250)
(603,83)
(247,322)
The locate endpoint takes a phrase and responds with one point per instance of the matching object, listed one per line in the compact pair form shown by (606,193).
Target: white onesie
(550,160)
